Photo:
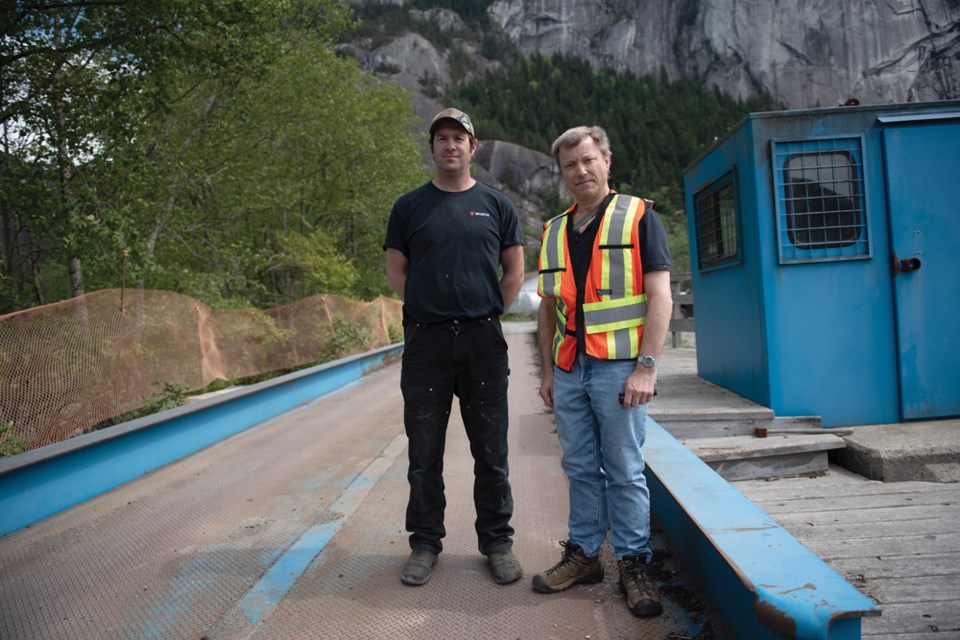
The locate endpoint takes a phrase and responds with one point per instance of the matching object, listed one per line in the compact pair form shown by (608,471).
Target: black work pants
(466,359)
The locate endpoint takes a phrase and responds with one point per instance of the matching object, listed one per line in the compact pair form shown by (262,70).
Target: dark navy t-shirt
(453,241)
(654,248)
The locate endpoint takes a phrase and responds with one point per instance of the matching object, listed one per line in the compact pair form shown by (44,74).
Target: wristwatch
(648,361)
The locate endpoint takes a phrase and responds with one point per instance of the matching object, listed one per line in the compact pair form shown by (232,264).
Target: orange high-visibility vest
(614,304)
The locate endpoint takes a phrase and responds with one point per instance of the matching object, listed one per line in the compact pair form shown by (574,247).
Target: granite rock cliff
(809,53)
(806,53)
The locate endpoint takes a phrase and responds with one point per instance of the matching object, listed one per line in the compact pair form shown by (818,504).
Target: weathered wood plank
(727,447)
(908,620)
(856,501)
(876,523)
(843,486)
(735,425)
(888,546)
(898,543)
(907,636)
(774,465)
(905,589)
(929,565)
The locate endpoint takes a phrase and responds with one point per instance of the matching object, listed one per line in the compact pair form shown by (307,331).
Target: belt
(455,325)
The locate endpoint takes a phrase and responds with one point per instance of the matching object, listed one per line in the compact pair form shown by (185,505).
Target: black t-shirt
(654,254)
(453,241)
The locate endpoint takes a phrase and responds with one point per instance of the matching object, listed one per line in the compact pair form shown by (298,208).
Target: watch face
(647,361)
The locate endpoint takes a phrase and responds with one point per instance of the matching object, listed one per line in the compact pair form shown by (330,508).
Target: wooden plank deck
(897,542)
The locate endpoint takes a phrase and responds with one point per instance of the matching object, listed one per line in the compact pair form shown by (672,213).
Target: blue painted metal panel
(44,481)
(924,193)
(819,337)
(761,578)
(835,355)
(830,323)
(728,300)
(767,584)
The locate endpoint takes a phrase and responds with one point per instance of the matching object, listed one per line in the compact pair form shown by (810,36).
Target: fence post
(681,319)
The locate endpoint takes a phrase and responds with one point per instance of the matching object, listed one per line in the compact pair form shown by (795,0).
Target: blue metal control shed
(825,251)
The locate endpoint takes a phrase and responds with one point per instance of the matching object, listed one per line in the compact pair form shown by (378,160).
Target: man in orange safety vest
(603,319)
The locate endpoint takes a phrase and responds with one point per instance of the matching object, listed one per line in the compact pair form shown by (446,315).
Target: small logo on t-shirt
(480,213)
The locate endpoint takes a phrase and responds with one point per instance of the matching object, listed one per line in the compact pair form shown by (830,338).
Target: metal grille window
(821,214)
(718,226)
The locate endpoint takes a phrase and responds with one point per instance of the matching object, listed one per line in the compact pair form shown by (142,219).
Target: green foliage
(218,384)
(656,127)
(82,80)
(311,263)
(395,333)
(381,22)
(316,149)
(348,337)
(10,445)
(203,148)
(222,149)
(520,317)
(171,396)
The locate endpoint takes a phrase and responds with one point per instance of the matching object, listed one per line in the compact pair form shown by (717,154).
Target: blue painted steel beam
(760,577)
(39,483)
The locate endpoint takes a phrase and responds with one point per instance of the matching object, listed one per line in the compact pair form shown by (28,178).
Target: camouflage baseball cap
(452,114)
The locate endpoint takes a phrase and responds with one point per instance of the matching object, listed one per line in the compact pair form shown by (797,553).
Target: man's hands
(546,387)
(638,389)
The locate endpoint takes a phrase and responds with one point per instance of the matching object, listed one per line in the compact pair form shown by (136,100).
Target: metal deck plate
(182,552)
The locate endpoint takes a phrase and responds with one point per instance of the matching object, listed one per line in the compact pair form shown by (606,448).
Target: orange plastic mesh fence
(69,366)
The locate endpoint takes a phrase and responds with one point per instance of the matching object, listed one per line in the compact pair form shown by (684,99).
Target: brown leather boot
(574,567)
(643,598)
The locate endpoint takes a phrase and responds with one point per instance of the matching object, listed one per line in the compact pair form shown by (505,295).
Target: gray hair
(572,137)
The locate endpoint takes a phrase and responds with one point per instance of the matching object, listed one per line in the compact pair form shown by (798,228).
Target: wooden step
(721,428)
(740,424)
(765,581)
(751,458)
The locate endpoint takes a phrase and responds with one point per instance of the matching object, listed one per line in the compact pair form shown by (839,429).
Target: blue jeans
(470,363)
(602,457)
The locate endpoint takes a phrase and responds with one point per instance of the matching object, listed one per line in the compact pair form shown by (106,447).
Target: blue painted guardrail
(762,580)
(44,481)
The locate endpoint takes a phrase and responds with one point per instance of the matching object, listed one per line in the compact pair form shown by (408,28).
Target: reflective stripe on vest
(617,309)
(555,275)
(614,308)
(564,348)
(553,255)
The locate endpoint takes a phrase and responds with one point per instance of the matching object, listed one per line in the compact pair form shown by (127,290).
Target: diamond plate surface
(174,554)
(167,555)
(353,588)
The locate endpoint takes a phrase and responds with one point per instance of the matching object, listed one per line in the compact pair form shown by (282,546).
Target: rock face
(519,168)
(525,176)
(805,54)
(808,53)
